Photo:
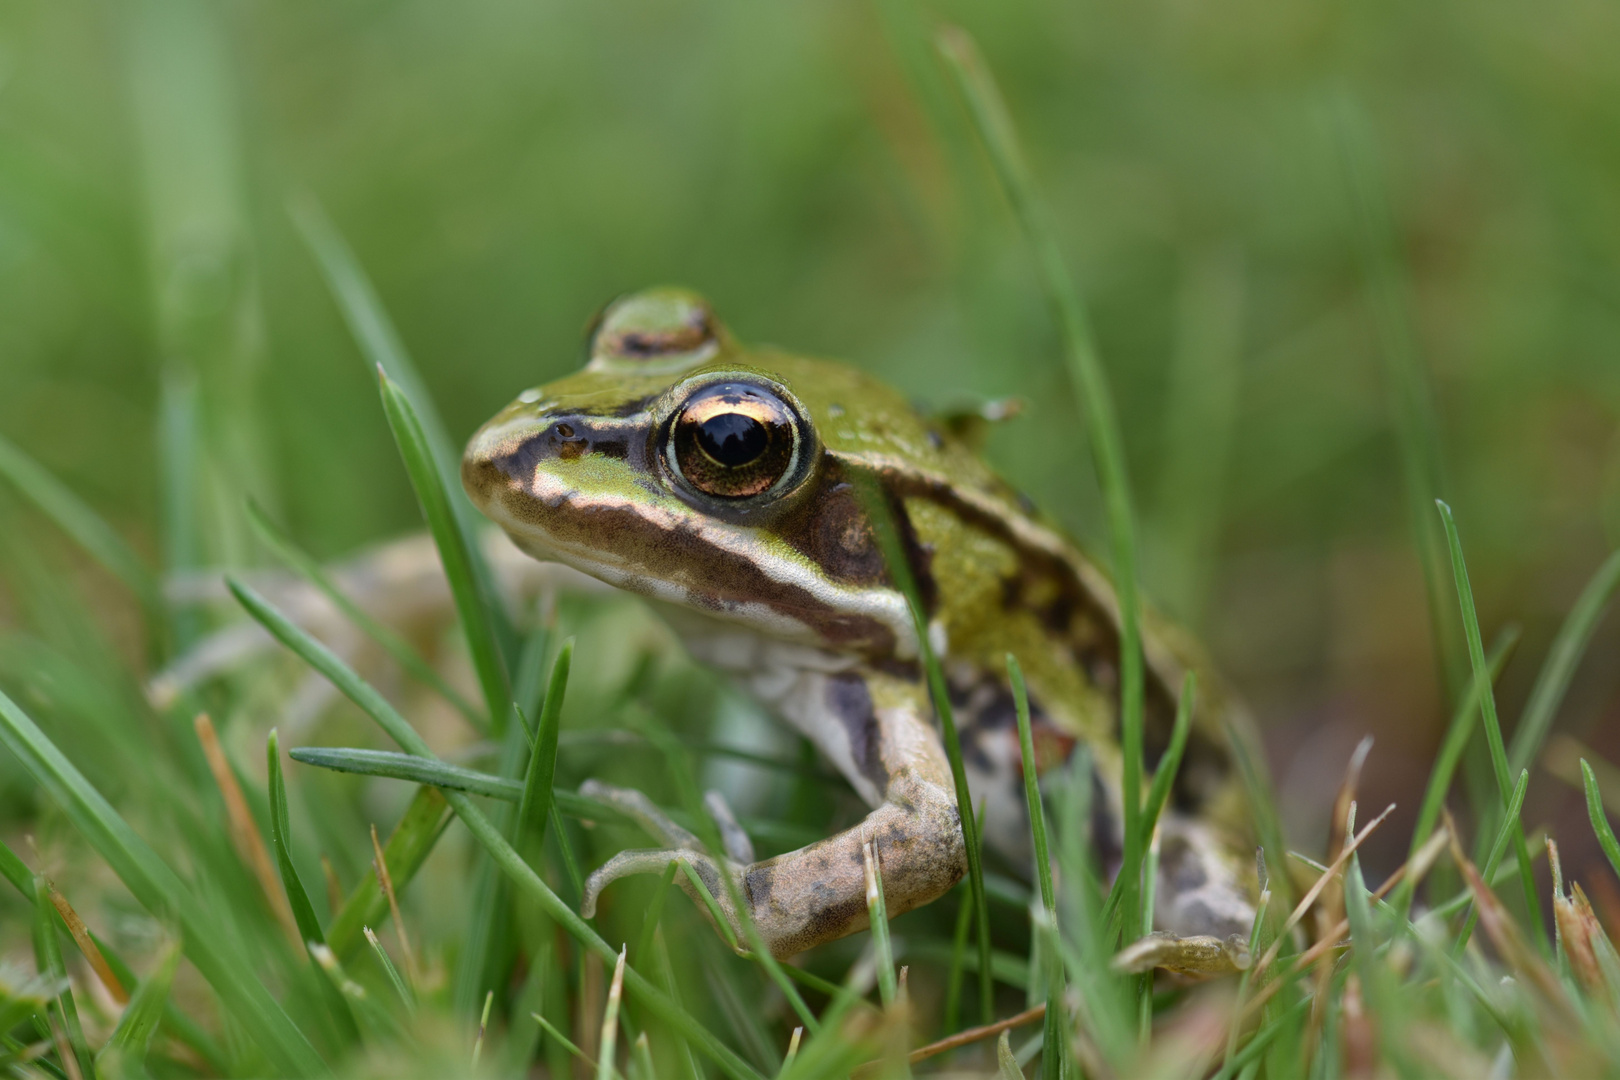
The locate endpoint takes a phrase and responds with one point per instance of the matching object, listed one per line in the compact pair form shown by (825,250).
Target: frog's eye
(653,329)
(733,440)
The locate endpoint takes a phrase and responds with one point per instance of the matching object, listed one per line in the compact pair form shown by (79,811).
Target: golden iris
(733,440)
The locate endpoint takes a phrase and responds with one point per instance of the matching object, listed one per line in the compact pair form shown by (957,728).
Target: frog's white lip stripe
(880,605)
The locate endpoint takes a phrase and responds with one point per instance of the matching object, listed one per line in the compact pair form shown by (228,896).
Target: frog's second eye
(733,440)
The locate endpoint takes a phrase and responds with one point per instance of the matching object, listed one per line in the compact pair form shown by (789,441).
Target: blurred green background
(502,169)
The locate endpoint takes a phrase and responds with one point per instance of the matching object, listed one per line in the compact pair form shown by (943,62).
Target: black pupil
(732,439)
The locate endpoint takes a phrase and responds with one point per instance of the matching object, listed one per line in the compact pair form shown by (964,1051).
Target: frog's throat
(798,604)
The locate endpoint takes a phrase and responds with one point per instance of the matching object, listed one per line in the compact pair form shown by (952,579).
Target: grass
(471,839)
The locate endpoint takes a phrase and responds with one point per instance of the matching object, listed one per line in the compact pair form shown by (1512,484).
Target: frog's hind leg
(1200,904)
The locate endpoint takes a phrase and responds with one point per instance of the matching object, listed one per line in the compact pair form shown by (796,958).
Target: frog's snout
(502,459)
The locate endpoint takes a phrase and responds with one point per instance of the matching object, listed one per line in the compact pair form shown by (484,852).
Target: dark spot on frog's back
(849,699)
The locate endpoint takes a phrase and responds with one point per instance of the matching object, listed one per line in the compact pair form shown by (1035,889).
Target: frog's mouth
(579,489)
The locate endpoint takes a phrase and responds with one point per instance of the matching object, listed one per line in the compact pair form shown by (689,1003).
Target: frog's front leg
(818,893)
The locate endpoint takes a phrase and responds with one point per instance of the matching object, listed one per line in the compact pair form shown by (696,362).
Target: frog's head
(682,466)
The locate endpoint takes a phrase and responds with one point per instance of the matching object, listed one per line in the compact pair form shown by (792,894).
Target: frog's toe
(706,870)
(1200,954)
(640,809)
(739,848)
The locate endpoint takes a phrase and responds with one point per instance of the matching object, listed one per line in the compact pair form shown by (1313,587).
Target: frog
(734,487)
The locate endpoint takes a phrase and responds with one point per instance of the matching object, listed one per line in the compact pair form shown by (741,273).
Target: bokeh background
(1265,202)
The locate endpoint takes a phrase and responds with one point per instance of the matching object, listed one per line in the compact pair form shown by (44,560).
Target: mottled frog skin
(717,481)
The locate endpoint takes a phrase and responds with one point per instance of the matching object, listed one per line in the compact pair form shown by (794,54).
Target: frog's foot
(1202,905)
(1201,954)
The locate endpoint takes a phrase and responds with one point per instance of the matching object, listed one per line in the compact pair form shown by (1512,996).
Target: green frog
(720,481)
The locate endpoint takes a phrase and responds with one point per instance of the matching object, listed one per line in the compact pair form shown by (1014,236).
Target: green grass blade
(1600,820)
(407,849)
(84,526)
(550,1029)
(484,831)
(398,766)
(456,544)
(48,955)
(1562,659)
(1054,1047)
(309,926)
(1165,777)
(1032,786)
(301,563)
(133,1035)
(401,987)
(1487,707)
(443,775)
(894,556)
(535,803)
(878,911)
(1504,833)
(1096,403)
(381,347)
(655,912)
(156,887)
(15,871)
(1445,763)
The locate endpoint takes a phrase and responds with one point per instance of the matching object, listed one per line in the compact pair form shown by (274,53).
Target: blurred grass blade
(475,605)
(876,502)
(395,646)
(878,911)
(536,800)
(1096,403)
(398,766)
(179,458)
(162,893)
(1487,708)
(407,996)
(408,847)
(80,933)
(484,831)
(303,912)
(368,321)
(48,955)
(83,526)
(1417,428)
(442,775)
(1600,820)
(1562,659)
(1451,750)
(1054,1039)
(132,1037)
(1165,776)
(1510,825)
(382,348)
(610,1022)
(1032,787)
(1006,1064)
(15,871)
